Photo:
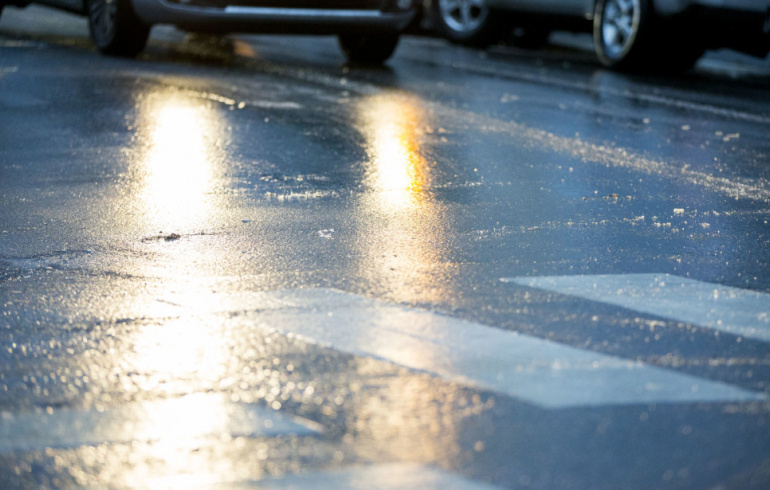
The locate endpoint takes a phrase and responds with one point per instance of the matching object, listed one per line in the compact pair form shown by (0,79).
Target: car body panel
(577,8)
(743,25)
(585,8)
(77,6)
(678,6)
(245,18)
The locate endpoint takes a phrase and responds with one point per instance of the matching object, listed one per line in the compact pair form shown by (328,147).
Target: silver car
(628,34)
(368,30)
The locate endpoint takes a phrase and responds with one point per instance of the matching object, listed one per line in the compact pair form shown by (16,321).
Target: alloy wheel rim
(463,15)
(619,25)
(103,13)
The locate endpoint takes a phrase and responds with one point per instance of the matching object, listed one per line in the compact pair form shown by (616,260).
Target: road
(238,262)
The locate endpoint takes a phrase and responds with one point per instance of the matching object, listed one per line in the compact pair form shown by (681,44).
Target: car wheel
(627,36)
(368,49)
(466,22)
(115,28)
(620,28)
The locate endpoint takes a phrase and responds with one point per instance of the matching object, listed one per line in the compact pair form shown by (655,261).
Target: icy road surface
(239,263)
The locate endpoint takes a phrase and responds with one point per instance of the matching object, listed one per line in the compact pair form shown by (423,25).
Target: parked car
(368,30)
(628,34)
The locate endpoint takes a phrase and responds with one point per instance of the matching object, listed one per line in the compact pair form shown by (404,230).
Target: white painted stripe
(376,477)
(535,370)
(388,476)
(731,310)
(178,419)
(4,70)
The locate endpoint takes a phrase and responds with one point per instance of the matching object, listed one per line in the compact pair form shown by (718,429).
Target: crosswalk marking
(535,370)
(394,476)
(726,309)
(4,70)
(178,419)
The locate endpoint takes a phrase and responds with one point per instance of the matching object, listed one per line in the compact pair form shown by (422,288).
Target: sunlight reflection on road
(401,239)
(185,356)
(179,170)
(398,169)
(402,234)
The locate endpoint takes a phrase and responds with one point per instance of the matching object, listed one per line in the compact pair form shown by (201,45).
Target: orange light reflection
(391,126)
(402,238)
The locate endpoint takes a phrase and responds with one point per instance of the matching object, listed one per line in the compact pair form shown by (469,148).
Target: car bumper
(672,7)
(271,19)
(739,25)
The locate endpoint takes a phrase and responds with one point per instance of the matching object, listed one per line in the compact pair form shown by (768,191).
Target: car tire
(368,49)
(629,37)
(115,28)
(467,22)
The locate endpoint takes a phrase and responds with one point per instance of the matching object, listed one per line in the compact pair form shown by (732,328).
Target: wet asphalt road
(239,262)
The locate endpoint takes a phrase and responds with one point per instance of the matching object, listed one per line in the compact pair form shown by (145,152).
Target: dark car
(368,30)
(628,34)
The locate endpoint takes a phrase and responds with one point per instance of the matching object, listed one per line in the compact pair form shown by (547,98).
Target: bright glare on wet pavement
(237,263)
